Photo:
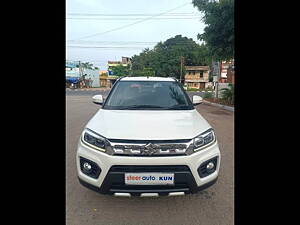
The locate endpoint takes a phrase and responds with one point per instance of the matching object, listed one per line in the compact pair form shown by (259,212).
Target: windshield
(153,95)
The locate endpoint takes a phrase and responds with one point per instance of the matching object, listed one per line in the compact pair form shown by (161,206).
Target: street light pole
(219,76)
(181,67)
(216,75)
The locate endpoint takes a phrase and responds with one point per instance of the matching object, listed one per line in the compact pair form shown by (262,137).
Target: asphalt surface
(79,92)
(213,206)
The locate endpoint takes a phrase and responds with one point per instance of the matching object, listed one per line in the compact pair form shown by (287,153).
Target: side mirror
(197,100)
(98,99)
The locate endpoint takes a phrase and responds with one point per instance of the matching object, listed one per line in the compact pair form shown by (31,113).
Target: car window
(147,95)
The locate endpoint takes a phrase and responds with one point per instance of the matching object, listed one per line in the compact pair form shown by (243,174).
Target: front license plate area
(149,178)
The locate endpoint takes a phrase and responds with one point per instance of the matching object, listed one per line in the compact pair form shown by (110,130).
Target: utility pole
(80,70)
(181,67)
(219,76)
(130,67)
(216,75)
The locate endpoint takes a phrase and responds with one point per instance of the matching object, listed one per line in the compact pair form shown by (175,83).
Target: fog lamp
(87,166)
(210,166)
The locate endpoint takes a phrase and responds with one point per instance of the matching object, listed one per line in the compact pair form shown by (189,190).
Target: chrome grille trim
(151,148)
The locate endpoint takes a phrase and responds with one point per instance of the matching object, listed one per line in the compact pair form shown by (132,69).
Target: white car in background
(147,140)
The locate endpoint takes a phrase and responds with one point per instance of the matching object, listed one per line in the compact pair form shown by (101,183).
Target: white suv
(147,140)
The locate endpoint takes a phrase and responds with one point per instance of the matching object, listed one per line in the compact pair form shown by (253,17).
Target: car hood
(148,124)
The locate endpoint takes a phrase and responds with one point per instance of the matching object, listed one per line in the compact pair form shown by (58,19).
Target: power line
(105,47)
(131,24)
(169,18)
(132,14)
(112,42)
(89,42)
(129,43)
(119,42)
(89,46)
(123,47)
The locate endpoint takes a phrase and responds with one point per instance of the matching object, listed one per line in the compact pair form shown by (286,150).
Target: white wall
(94,75)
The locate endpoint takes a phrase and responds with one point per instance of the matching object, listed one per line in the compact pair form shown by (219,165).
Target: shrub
(192,89)
(228,94)
(208,95)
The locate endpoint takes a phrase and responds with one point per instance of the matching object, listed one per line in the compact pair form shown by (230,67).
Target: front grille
(137,169)
(151,147)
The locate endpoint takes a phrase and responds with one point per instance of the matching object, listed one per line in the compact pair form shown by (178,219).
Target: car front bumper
(113,168)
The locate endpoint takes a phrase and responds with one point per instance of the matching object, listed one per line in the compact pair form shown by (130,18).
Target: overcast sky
(85,30)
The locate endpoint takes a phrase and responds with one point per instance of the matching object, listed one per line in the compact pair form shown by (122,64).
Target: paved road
(78,92)
(213,206)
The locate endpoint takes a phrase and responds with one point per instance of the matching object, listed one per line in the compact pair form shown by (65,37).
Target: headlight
(94,140)
(204,139)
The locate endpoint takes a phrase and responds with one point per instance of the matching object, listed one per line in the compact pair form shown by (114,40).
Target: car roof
(147,79)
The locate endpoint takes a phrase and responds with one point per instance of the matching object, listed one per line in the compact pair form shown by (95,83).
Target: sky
(95,33)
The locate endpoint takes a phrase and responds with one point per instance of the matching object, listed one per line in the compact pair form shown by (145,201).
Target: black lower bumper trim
(137,192)
(207,185)
(114,181)
(149,190)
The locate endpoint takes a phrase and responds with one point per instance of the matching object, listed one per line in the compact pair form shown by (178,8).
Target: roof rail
(120,78)
(174,78)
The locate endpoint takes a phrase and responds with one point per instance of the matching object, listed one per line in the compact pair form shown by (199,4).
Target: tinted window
(147,95)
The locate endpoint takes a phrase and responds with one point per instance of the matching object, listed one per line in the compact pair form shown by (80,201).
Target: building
(71,70)
(196,76)
(225,65)
(92,76)
(81,77)
(103,74)
(230,75)
(126,61)
(72,75)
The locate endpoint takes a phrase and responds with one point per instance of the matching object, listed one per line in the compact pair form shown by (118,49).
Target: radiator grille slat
(151,147)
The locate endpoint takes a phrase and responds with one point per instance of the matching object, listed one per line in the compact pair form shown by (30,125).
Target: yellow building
(196,76)
(103,78)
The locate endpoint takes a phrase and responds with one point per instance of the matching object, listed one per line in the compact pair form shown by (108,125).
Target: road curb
(229,108)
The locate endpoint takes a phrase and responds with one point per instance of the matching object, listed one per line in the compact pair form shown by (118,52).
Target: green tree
(145,72)
(219,31)
(86,65)
(164,58)
(120,70)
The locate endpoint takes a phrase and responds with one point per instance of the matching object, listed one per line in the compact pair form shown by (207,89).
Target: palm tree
(228,93)
(87,65)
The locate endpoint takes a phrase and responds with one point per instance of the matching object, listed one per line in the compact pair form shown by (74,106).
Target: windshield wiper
(178,107)
(141,107)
